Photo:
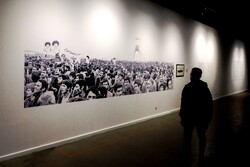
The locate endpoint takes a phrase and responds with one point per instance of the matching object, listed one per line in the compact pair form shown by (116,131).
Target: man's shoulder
(199,84)
(203,83)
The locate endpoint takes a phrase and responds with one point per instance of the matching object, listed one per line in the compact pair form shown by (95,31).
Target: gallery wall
(104,29)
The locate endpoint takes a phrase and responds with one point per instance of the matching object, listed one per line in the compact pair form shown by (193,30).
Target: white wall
(166,36)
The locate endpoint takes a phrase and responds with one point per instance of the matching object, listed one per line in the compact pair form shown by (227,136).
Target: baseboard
(230,94)
(79,137)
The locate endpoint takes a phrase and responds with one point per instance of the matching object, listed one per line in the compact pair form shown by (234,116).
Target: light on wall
(238,66)
(103,23)
(204,52)
(173,45)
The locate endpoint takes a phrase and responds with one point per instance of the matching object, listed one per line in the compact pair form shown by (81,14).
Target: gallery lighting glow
(238,64)
(204,52)
(200,44)
(104,23)
(173,46)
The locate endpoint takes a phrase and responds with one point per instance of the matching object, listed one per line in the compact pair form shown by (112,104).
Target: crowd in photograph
(65,77)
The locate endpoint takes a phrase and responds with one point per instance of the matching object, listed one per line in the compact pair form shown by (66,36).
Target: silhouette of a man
(195,112)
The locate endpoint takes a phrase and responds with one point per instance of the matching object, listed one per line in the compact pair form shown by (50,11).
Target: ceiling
(226,16)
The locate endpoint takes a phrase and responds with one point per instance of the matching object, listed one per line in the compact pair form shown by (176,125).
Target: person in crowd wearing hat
(64,91)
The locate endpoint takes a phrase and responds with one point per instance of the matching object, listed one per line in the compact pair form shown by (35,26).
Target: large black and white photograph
(59,75)
(103,52)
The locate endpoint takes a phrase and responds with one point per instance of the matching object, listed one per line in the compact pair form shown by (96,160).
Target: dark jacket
(196,104)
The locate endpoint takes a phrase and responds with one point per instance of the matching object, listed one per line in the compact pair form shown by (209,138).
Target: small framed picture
(180,69)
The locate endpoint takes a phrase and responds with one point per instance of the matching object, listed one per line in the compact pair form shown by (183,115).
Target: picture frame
(180,69)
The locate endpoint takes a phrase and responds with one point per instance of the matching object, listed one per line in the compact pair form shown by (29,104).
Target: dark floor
(156,143)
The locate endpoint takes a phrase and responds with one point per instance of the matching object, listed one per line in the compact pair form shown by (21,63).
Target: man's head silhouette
(195,74)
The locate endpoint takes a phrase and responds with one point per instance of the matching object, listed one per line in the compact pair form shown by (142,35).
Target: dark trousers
(187,139)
